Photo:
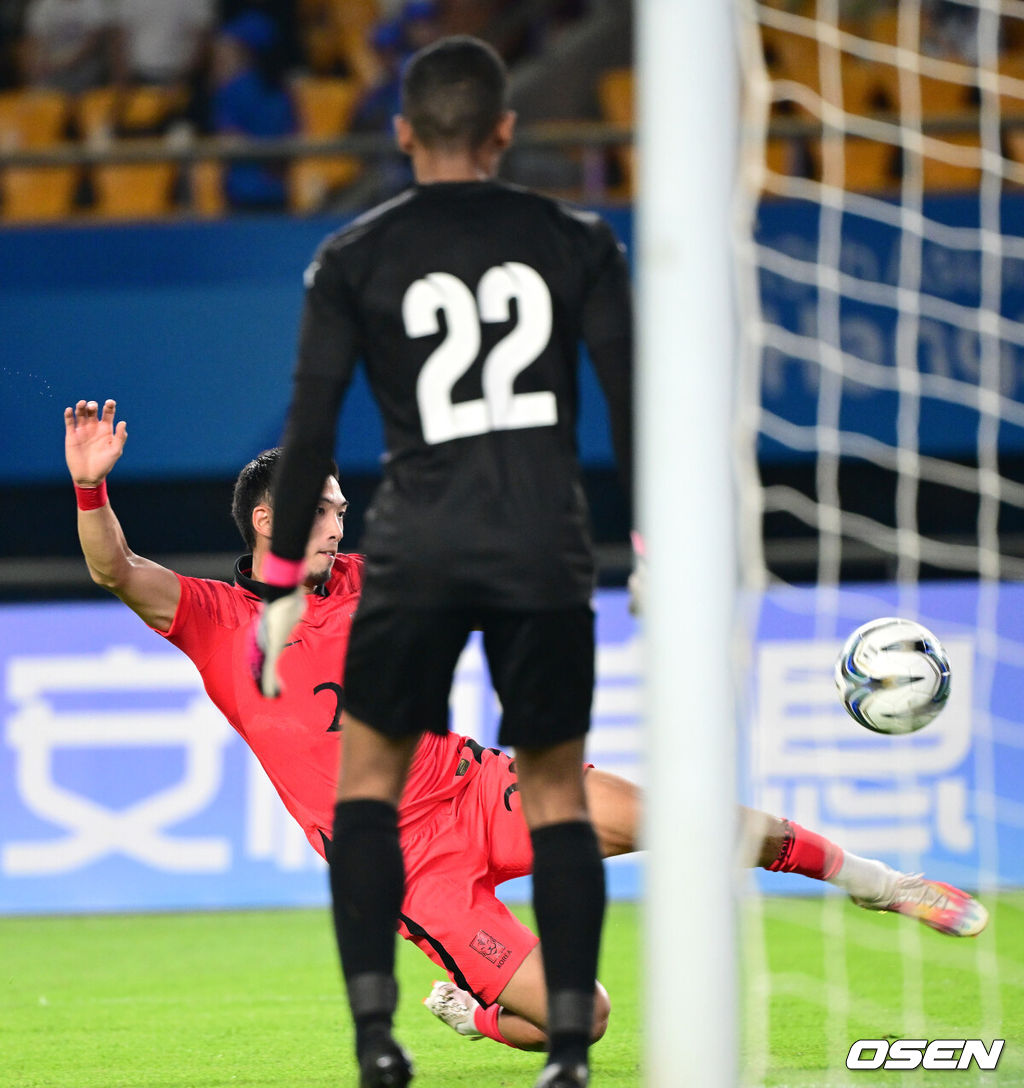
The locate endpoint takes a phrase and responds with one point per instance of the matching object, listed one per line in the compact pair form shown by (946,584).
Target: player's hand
(638,579)
(92,444)
(269,636)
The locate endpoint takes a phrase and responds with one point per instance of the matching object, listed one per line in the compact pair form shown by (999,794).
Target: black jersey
(467,302)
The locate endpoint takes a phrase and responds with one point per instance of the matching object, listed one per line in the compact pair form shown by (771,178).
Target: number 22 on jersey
(499,409)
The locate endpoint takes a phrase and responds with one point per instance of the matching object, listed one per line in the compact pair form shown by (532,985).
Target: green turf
(254,1000)
(247,999)
(892,979)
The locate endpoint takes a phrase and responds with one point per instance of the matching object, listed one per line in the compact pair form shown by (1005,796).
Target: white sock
(864,878)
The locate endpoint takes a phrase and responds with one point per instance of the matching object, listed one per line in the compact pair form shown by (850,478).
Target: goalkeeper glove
(269,636)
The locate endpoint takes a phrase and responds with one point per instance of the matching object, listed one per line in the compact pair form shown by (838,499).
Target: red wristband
(281,572)
(91,498)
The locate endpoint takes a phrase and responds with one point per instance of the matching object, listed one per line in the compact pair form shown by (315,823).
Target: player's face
(328,529)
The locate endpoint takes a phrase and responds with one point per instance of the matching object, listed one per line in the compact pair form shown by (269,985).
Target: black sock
(569,898)
(367,885)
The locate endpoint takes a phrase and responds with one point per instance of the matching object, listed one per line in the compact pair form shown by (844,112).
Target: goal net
(880,458)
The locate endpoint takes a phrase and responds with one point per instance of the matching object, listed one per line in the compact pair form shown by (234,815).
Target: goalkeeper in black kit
(466,300)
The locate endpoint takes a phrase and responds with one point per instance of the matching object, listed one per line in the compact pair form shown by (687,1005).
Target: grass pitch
(254,1000)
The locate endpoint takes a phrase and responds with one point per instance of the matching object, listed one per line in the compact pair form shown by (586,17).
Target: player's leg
(524,1006)
(542,664)
(367,885)
(781,845)
(784,846)
(398,673)
(568,896)
(519,1016)
(615,805)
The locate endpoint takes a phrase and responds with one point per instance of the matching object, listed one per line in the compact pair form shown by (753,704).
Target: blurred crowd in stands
(102,71)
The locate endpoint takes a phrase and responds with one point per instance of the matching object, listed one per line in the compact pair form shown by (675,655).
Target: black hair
(254,486)
(454,92)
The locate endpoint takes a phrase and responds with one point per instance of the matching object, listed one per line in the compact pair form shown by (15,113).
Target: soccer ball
(893,676)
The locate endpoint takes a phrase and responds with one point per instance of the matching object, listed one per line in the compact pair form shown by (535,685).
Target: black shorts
(400,663)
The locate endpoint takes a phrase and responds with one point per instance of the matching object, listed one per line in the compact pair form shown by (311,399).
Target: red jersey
(297,737)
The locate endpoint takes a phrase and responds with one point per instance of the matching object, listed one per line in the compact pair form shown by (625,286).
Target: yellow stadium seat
(207,184)
(1011,65)
(134,190)
(945,175)
(336,35)
(615,94)
(128,190)
(938,97)
(1014,139)
(778,155)
(95,112)
(861,87)
(33,120)
(145,109)
(884,27)
(354,21)
(869,165)
(38,193)
(325,107)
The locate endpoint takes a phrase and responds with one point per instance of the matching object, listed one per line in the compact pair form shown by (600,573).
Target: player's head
(455,98)
(253,514)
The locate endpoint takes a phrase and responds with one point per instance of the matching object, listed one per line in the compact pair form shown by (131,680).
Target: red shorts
(454,858)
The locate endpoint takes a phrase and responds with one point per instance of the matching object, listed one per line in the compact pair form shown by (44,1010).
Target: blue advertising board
(122,788)
(195,323)
(192,328)
(866,303)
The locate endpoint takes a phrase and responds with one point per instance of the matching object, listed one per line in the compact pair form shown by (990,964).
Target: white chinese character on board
(39,730)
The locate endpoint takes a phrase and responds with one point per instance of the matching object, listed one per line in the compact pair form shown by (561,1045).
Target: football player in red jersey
(460,818)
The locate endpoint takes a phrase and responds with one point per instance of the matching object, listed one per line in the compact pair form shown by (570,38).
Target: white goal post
(687,120)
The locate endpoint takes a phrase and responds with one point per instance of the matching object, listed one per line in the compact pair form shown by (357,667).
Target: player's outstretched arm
(92,446)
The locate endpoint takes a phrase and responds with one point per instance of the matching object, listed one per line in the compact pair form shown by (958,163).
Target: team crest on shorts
(489,948)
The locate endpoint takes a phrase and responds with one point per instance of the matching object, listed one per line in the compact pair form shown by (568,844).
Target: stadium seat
(128,190)
(139,110)
(797,58)
(778,155)
(206,180)
(1011,65)
(134,190)
(32,120)
(884,27)
(95,112)
(869,166)
(945,175)
(38,193)
(336,36)
(325,107)
(148,109)
(615,93)
(863,93)
(938,97)
(354,21)
(1014,148)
